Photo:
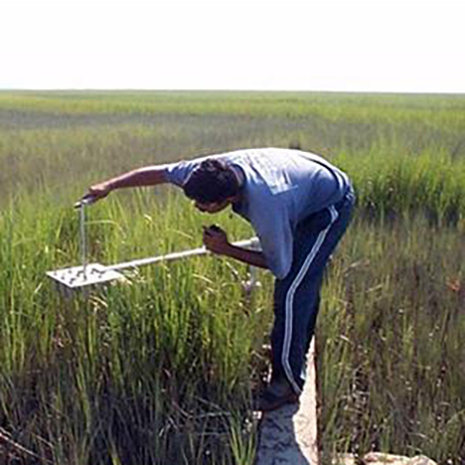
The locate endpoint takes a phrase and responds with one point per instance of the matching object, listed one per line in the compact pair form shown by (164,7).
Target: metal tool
(91,274)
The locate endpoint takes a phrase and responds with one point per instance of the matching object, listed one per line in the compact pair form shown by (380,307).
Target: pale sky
(377,45)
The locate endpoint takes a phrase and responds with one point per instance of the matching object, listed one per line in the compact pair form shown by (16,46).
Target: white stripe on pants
(290,299)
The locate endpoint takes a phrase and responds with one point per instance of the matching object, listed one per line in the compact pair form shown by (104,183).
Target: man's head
(213,185)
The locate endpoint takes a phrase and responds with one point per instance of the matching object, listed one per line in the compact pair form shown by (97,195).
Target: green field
(160,370)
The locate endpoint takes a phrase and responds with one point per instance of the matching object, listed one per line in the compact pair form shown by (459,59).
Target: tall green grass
(146,370)
(159,370)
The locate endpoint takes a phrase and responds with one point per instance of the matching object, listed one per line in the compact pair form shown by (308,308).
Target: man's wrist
(230,250)
(226,250)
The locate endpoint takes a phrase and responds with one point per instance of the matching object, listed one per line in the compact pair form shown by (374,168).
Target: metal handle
(253,242)
(86,200)
(82,215)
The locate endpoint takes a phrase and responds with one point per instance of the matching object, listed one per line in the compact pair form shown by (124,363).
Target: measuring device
(91,274)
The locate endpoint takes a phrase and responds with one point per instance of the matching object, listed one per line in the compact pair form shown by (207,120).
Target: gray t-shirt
(281,188)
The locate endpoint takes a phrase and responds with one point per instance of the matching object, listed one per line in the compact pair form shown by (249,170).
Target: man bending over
(299,205)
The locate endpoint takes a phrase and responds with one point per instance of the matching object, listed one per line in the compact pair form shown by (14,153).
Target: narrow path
(289,435)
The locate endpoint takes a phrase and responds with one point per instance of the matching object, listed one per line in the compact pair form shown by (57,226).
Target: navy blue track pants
(297,296)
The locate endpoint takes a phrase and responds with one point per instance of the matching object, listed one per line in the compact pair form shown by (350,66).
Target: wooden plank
(289,435)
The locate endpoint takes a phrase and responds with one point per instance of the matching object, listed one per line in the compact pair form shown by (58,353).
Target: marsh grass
(391,370)
(158,370)
(146,370)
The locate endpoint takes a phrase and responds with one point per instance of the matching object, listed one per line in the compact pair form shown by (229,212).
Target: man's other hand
(215,240)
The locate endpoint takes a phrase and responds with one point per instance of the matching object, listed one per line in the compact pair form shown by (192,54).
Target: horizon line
(147,89)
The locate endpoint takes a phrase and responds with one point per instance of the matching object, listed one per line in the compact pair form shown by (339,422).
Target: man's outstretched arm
(145,176)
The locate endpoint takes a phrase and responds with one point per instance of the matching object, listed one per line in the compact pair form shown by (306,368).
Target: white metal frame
(89,274)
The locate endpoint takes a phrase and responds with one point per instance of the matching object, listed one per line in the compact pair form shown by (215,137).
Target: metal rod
(176,256)
(83,237)
(253,270)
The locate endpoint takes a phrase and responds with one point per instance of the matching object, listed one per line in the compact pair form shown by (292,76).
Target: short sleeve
(177,173)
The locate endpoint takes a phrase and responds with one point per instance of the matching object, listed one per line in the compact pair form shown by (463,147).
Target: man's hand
(216,240)
(100,191)
(95,193)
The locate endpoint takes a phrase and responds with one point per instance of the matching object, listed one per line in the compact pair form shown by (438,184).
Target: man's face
(213,207)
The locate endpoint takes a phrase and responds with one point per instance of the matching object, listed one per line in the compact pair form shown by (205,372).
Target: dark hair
(212,181)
